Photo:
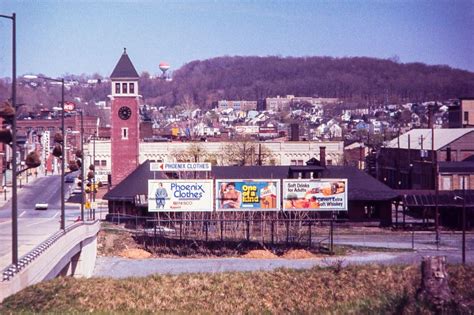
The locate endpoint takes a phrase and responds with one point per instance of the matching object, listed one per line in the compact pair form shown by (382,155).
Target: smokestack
(448,154)
(322,156)
(295,132)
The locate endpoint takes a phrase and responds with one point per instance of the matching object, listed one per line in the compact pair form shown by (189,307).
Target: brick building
(409,161)
(124,118)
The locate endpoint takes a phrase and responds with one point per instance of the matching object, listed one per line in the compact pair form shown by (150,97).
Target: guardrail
(11,270)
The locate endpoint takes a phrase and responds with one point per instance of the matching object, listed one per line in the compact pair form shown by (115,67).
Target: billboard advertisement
(315,194)
(180,195)
(242,195)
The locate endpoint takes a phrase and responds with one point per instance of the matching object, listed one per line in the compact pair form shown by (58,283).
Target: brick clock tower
(124,119)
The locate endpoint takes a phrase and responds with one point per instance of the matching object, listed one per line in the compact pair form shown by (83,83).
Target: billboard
(242,195)
(315,194)
(180,195)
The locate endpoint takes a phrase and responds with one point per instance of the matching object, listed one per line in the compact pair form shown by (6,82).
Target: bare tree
(245,152)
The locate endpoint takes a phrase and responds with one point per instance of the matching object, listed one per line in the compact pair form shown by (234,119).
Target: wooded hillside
(359,80)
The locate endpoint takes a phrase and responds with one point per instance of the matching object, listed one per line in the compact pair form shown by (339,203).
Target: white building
(278,153)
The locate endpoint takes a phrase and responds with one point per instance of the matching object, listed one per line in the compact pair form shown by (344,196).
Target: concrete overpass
(66,253)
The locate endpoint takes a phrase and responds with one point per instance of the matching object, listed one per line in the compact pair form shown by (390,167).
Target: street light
(61,80)
(14,145)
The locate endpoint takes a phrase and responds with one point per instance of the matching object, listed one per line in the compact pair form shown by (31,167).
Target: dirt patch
(135,253)
(260,254)
(113,239)
(298,254)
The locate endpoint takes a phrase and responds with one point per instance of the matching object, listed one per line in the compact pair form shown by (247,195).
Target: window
(124,88)
(466,116)
(117,88)
(329,162)
(293,162)
(446,183)
(103,163)
(96,162)
(131,88)
(124,133)
(464,179)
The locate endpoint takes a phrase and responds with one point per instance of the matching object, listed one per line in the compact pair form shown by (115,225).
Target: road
(34,226)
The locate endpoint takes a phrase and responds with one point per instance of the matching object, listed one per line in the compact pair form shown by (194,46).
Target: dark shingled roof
(469,159)
(134,184)
(124,68)
(457,167)
(361,186)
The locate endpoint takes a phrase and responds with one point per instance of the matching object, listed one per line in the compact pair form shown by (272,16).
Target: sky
(62,37)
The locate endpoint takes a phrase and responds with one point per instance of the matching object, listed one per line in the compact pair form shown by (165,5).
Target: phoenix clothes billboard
(180,195)
(258,195)
(315,194)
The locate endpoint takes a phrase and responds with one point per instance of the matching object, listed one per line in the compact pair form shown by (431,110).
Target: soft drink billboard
(315,194)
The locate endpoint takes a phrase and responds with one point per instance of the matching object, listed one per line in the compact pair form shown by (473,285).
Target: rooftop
(442,138)
(124,68)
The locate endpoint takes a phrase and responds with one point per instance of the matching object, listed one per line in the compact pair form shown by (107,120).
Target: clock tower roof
(124,68)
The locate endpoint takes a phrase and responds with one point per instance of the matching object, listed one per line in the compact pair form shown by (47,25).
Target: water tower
(164,66)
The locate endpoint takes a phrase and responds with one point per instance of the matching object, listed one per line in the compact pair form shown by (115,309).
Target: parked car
(41,206)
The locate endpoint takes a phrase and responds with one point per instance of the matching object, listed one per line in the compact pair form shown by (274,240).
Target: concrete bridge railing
(67,253)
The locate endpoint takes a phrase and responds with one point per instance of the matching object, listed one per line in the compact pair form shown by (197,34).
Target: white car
(41,206)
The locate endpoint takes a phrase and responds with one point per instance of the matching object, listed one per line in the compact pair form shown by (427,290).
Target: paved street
(34,226)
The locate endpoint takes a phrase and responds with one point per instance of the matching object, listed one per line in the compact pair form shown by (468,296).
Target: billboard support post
(309,233)
(331,237)
(248,230)
(272,230)
(222,230)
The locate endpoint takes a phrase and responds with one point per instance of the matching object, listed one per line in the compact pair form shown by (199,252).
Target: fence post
(154,237)
(206,225)
(332,236)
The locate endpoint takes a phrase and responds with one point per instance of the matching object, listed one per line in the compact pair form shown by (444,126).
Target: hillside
(359,80)
(364,80)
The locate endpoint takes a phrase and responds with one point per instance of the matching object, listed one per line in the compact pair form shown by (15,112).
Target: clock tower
(124,119)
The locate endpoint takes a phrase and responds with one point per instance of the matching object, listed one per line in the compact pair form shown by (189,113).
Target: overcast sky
(59,37)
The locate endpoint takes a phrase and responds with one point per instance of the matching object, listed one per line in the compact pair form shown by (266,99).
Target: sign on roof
(177,167)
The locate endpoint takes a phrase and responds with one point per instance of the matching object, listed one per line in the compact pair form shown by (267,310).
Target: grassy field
(336,290)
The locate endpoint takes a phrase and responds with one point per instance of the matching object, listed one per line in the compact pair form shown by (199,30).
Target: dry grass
(359,290)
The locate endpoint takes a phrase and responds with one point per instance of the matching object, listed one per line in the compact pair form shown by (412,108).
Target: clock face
(124,112)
